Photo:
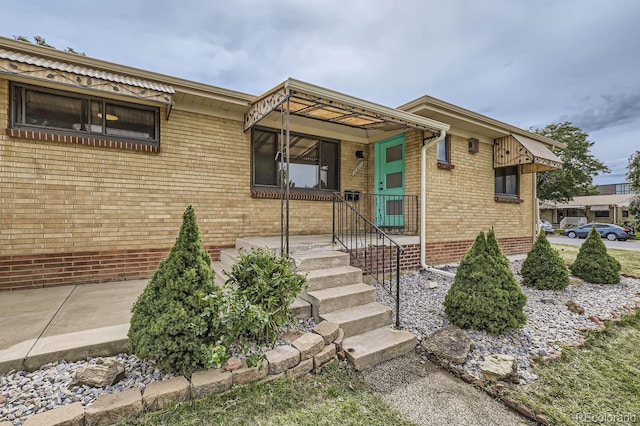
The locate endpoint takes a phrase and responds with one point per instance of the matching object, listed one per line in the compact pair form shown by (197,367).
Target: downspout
(536,208)
(423,196)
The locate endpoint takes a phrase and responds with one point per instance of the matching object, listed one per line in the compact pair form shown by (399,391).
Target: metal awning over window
(306,100)
(599,208)
(40,68)
(533,156)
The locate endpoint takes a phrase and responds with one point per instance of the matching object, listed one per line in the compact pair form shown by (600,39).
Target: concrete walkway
(73,322)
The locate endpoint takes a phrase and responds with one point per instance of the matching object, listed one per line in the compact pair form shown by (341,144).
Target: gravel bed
(27,393)
(549,321)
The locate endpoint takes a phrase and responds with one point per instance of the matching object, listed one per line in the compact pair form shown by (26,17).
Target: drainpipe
(423,196)
(536,209)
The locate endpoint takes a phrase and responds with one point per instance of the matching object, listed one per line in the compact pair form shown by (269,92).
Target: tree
(593,264)
(485,295)
(633,171)
(167,322)
(40,41)
(544,268)
(579,165)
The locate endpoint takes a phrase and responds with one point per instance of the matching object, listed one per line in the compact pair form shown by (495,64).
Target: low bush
(485,295)
(544,268)
(593,264)
(166,323)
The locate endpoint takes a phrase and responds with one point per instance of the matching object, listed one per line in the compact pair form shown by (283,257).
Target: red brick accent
(55,269)
(439,253)
(293,195)
(81,140)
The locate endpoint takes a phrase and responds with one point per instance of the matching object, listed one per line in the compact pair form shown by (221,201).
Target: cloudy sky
(528,63)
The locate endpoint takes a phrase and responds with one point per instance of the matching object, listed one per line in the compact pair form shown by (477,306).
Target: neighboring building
(613,208)
(615,188)
(99,160)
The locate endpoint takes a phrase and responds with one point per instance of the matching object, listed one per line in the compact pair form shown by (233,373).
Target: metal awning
(310,101)
(532,155)
(601,208)
(52,71)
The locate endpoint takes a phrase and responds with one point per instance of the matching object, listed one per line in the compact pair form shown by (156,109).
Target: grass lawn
(630,260)
(336,396)
(597,383)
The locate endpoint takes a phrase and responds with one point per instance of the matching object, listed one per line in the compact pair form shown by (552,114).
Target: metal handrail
(369,246)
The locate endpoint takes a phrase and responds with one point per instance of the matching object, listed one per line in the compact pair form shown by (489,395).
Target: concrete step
(301,308)
(338,298)
(219,268)
(320,279)
(229,256)
(360,319)
(310,261)
(299,244)
(376,346)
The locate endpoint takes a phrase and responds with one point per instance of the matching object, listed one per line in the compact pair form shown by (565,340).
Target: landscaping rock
(309,345)
(282,358)
(232,364)
(105,372)
(214,380)
(450,343)
(574,307)
(69,415)
(245,375)
(159,394)
(328,330)
(338,340)
(573,280)
(499,367)
(432,284)
(326,355)
(114,408)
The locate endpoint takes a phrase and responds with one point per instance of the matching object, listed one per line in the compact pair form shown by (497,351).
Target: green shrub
(593,264)
(167,324)
(255,303)
(485,295)
(494,248)
(544,268)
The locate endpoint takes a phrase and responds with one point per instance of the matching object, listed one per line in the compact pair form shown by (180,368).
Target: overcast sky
(527,63)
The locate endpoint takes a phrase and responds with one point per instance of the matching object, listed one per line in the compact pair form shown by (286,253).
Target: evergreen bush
(494,248)
(167,323)
(485,295)
(543,268)
(593,264)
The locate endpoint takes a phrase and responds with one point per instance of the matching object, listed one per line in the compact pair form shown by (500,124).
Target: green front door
(389,183)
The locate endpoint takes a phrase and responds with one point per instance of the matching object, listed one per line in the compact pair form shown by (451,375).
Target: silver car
(546,226)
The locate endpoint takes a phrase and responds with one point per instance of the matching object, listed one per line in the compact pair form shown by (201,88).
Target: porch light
(360,154)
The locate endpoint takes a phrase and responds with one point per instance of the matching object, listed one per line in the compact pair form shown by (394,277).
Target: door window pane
(394,153)
(394,208)
(394,180)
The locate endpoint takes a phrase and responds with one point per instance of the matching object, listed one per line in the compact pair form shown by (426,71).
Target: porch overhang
(43,69)
(317,103)
(531,155)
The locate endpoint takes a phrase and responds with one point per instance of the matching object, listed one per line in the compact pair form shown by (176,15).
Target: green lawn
(630,260)
(336,396)
(597,383)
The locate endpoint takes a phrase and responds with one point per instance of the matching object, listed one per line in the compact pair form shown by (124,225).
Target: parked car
(606,230)
(546,226)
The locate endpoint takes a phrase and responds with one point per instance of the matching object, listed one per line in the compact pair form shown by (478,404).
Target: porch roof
(314,102)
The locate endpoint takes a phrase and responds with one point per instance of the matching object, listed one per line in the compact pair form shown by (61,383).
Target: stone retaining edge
(126,404)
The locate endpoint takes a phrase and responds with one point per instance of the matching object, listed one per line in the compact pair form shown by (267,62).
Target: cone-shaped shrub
(593,264)
(494,248)
(485,295)
(544,268)
(167,324)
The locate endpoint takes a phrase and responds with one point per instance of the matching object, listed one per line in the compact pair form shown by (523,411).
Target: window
(43,109)
(506,181)
(444,150)
(313,161)
(602,213)
(625,213)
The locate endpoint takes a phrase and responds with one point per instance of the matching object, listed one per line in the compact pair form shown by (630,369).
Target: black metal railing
(394,214)
(369,246)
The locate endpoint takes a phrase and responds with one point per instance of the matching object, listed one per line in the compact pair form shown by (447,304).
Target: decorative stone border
(309,353)
(496,390)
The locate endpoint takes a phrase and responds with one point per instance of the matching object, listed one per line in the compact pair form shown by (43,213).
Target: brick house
(99,160)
